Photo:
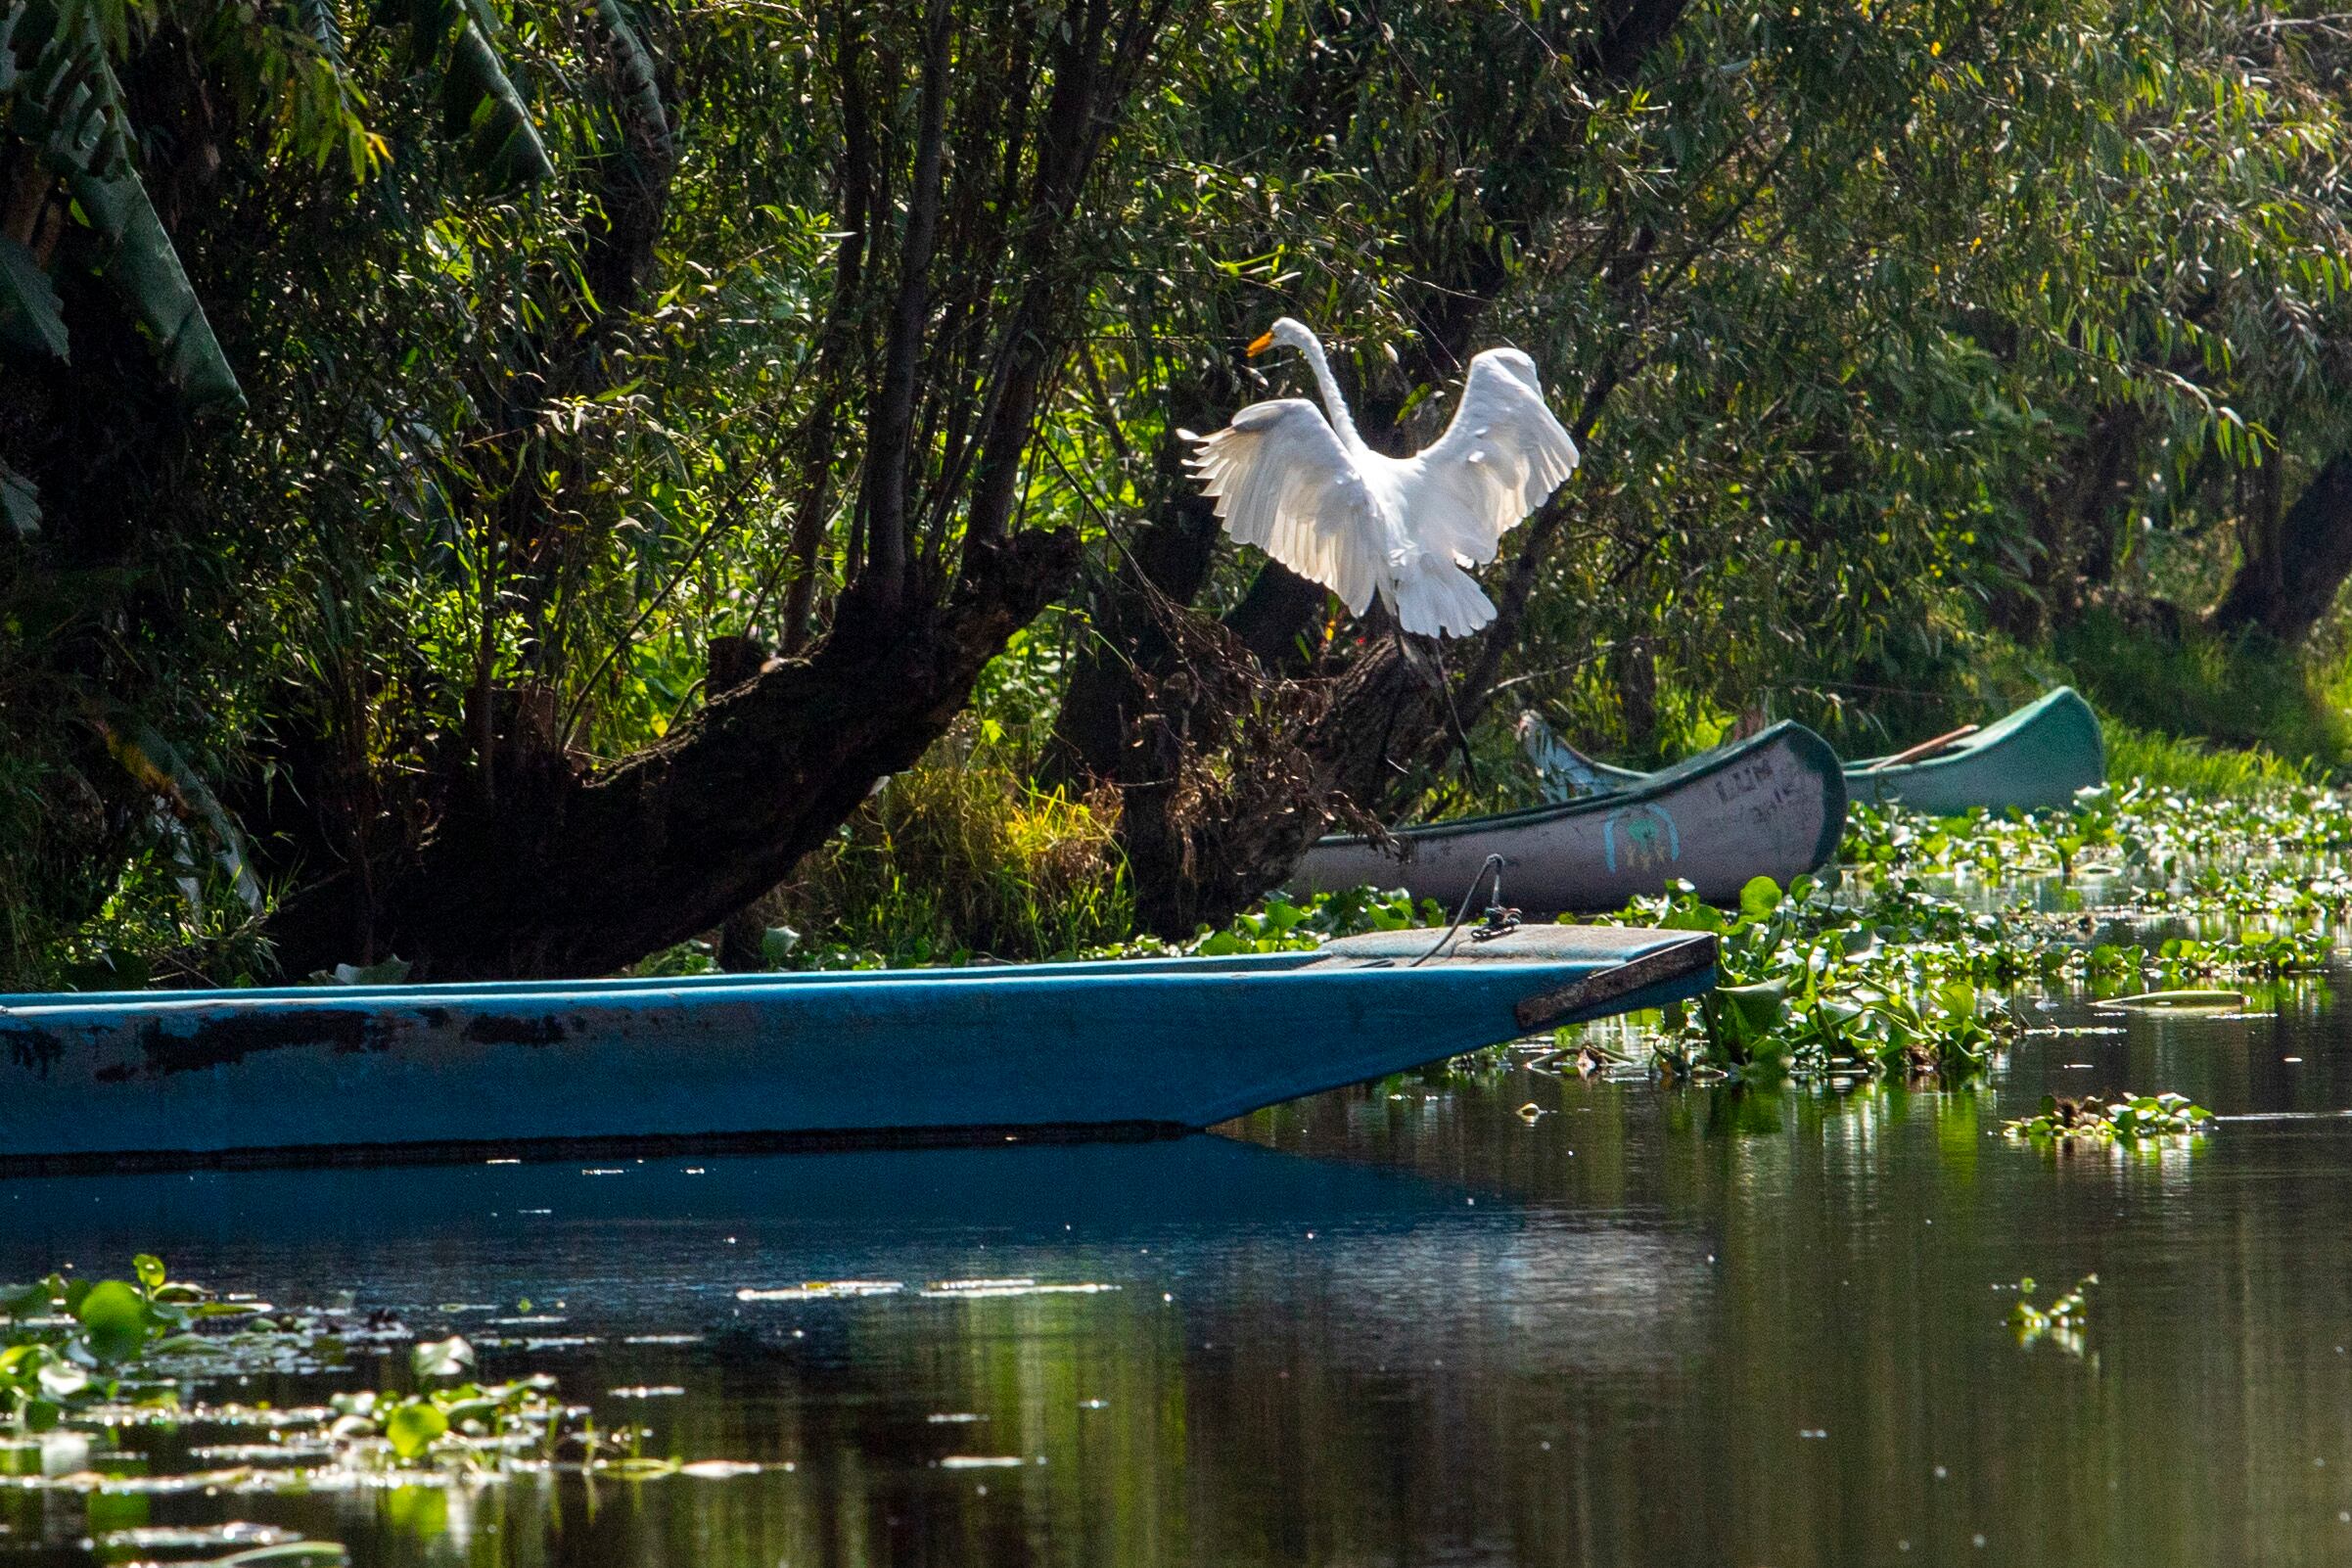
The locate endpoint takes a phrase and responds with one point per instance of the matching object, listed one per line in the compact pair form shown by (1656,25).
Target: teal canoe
(1771,806)
(1135,1048)
(2036,756)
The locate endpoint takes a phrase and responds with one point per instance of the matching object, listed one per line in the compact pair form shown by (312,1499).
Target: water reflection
(1400,1326)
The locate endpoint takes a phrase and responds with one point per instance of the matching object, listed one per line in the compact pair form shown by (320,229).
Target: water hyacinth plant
(97,1359)
(1898,966)
(1813,987)
(2128,1119)
(67,1344)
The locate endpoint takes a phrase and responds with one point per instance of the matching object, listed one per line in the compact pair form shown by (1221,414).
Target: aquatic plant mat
(1935,943)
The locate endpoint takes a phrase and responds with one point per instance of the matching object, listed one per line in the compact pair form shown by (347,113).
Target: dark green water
(1401,1325)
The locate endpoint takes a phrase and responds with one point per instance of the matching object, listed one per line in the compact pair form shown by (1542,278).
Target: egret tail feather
(1438,598)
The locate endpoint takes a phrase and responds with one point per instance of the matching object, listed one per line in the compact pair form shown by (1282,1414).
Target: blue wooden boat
(2037,756)
(1772,804)
(1135,1048)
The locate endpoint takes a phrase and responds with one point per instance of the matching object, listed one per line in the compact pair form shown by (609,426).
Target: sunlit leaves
(114,1318)
(413,1428)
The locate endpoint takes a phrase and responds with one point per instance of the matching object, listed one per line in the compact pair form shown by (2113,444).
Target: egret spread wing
(1502,455)
(1282,482)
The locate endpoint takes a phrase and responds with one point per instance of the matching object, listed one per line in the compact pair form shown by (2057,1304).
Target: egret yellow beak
(1263,341)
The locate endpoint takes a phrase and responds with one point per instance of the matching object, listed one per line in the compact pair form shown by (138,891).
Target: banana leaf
(316,20)
(636,72)
(30,317)
(20,503)
(158,766)
(479,100)
(69,104)
(482,106)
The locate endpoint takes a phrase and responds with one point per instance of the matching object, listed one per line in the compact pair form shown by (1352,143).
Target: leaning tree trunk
(2294,562)
(1199,852)
(572,874)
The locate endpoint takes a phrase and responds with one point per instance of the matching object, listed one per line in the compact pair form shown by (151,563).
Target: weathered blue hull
(1156,1046)
(1771,806)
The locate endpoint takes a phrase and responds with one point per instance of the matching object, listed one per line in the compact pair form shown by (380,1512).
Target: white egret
(1312,495)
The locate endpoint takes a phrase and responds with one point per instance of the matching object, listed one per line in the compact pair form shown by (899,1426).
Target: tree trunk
(2294,562)
(2074,526)
(580,874)
(1230,777)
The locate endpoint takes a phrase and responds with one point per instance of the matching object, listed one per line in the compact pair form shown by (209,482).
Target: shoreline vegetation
(2223,870)
(499,492)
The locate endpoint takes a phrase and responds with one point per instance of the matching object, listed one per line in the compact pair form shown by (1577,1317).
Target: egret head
(1285,331)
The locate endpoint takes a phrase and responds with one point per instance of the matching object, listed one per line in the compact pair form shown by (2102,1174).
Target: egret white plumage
(1308,492)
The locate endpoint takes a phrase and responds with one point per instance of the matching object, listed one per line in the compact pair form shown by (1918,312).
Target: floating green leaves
(96,1357)
(114,1320)
(414,1428)
(2128,1119)
(64,1343)
(1814,986)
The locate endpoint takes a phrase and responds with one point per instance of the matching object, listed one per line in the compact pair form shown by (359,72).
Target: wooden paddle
(1925,748)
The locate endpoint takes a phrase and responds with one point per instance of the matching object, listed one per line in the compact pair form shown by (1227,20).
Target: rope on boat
(1498,917)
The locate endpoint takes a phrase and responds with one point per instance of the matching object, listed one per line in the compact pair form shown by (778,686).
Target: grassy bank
(2248,696)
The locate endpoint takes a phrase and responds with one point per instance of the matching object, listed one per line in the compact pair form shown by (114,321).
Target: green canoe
(2038,755)
(2035,756)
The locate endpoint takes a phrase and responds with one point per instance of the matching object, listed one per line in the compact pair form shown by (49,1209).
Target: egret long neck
(1342,423)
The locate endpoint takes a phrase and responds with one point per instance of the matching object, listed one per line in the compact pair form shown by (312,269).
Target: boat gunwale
(1866,780)
(642,984)
(1541,973)
(1651,786)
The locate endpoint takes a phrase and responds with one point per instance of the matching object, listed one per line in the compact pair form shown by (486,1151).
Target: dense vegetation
(498,483)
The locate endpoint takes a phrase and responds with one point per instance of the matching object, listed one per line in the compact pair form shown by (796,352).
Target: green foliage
(67,1344)
(2276,707)
(2128,1120)
(68,105)
(960,855)
(413,1427)
(1813,987)
(558,327)
(1278,925)
(1892,974)
(2167,761)
(68,1348)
